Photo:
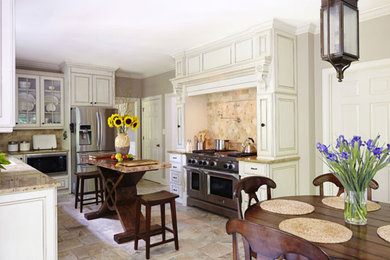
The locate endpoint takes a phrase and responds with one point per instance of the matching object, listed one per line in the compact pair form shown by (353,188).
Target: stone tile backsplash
(224,108)
(26,135)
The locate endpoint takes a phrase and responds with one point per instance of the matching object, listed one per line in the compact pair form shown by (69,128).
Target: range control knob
(200,162)
(213,163)
(189,161)
(205,163)
(226,165)
(231,166)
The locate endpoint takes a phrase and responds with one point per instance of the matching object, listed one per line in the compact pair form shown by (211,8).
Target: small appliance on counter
(24,146)
(221,145)
(13,146)
(248,146)
(44,142)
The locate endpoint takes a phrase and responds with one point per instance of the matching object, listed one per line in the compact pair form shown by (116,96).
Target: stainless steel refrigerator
(90,134)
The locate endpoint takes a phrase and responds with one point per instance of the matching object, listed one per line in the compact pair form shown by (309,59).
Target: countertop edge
(176,152)
(254,159)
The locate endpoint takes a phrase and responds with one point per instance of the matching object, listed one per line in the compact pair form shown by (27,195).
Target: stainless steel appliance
(248,146)
(51,164)
(90,135)
(221,145)
(211,176)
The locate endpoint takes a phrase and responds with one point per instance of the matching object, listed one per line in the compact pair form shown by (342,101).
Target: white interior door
(360,105)
(152,134)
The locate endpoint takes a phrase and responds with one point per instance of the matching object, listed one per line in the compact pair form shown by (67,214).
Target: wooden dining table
(120,191)
(364,244)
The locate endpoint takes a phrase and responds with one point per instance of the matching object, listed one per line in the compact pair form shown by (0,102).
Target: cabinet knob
(16,123)
(95,102)
(262,125)
(178,126)
(91,102)
(43,123)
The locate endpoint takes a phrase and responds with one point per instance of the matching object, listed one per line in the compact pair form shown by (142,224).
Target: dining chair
(270,243)
(250,185)
(329,177)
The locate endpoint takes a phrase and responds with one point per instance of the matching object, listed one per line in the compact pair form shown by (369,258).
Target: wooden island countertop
(114,165)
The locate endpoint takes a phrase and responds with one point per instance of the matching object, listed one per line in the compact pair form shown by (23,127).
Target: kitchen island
(120,193)
(28,213)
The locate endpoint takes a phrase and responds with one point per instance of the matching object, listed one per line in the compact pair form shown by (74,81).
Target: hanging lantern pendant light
(340,34)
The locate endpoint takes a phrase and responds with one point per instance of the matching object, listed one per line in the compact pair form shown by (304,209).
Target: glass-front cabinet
(39,102)
(52,108)
(27,101)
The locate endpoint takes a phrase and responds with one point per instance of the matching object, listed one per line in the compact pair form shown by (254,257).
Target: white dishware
(52,99)
(24,84)
(24,146)
(50,107)
(13,146)
(26,102)
(51,87)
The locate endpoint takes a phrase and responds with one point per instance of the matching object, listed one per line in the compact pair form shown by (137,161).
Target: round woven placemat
(316,230)
(338,203)
(287,207)
(384,232)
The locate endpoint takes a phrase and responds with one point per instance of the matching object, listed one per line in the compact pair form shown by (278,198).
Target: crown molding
(128,74)
(306,28)
(37,65)
(374,13)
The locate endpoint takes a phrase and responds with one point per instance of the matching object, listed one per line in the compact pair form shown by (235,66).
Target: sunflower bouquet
(123,123)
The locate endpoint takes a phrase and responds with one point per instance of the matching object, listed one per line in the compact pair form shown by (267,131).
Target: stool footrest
(155,232)
(162,242)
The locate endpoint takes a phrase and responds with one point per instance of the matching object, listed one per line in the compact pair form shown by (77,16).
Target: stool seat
(152,199)
(88,174)
(157,198)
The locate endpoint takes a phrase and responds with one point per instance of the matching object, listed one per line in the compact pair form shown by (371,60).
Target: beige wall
(374,45)
(158,85)
(128,87)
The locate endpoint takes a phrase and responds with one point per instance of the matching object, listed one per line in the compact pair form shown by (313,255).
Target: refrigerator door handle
(98,134)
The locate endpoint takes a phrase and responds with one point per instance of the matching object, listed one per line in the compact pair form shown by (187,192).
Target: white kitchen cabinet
(81,89)
(178,183)
(39,100)
(90,85)
(7,65)
(180,126)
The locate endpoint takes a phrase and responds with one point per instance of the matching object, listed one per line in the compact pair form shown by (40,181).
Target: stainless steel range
(211,177)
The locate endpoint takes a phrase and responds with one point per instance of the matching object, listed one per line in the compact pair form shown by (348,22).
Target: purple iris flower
(370,145)
(332,157)
(340,140)
(344,156)
(377,152)
(356,139)
(322,148)
(388,147)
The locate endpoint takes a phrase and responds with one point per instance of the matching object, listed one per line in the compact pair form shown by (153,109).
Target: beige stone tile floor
(202,235)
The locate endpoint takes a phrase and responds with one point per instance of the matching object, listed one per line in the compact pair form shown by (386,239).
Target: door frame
(138,133)
(327,75)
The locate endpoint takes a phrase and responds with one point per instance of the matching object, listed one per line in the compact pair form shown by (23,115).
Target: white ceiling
(139,36)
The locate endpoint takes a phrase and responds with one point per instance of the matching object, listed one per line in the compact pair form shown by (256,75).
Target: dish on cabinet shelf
(51,107)
(26,102)
(51,99)
(51,87)
(24,84)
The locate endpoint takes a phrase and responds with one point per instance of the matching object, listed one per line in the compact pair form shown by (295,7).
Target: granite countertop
(19,177)
(110,164)
(254,159)
(38,151)
(177,152)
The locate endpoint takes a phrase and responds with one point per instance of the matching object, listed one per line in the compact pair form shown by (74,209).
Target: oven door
(195,182)
(220,187)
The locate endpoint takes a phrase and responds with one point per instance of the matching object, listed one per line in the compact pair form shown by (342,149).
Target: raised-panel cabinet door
(52,102)
(27,101)
(102,91)
(81,89)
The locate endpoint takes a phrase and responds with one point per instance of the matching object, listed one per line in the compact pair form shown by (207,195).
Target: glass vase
(355,207)
(122,143)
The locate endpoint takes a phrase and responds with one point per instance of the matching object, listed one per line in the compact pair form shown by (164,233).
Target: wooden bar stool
(149,200)
(81,177)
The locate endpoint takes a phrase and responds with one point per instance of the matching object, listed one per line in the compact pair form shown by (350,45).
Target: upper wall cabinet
(39,100)
(91,86)
(7,65)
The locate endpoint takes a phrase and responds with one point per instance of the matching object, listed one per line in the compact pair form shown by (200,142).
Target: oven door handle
(192,168)
(236,176)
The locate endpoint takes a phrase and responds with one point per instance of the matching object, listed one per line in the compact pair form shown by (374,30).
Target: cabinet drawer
(175,188)
(64,183)
(255,168)
(175,177)
(176,167)
(175,158)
